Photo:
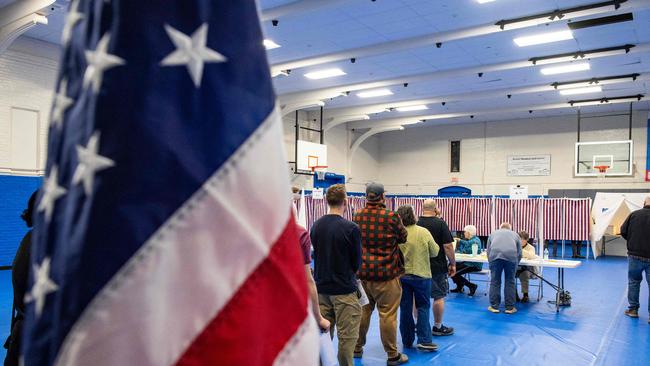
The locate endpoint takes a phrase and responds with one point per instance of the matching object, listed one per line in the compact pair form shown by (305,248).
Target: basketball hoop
(320,171)
(602,170)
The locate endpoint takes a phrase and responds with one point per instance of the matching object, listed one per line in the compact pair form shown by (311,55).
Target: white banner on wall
(529,165)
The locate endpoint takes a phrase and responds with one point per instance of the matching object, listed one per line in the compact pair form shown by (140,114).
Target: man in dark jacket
(19,278)
(636,230)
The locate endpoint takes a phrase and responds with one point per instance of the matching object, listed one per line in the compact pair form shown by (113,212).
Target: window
(454,153)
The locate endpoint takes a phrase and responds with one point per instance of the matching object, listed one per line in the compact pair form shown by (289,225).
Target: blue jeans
(635,270)
(497,267)
(420,289)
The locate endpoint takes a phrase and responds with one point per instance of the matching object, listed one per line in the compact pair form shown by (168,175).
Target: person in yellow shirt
(416,282)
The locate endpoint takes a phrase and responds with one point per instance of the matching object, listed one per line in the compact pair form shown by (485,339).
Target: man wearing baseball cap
(382,264)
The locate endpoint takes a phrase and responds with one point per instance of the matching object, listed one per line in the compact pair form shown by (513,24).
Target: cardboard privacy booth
(608,213)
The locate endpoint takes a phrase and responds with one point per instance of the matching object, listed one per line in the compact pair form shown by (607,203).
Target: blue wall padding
(14,194)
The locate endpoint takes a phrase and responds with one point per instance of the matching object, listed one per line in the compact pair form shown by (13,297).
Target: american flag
(164,232)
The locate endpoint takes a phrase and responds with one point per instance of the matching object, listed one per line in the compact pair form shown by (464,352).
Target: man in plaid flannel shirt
(381,266)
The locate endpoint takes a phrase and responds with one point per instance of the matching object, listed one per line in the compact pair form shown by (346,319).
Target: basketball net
(320,172)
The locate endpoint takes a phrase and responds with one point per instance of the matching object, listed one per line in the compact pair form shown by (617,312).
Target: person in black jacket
(19,278)
(636,230)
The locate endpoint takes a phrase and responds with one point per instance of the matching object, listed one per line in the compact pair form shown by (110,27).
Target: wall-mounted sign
(529,165)
(518,192)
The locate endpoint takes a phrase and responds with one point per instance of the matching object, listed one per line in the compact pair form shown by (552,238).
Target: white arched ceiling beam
(361,110)
(18,17)
(336,121)
(443,37)
(395,122)
(292,107)
(371,132)
(296,7)
(331,92)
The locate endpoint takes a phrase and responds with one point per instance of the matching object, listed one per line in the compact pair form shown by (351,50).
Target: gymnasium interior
(531,112)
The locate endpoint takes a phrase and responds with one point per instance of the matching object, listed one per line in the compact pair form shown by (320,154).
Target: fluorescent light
(269,44)
(374,93)
(585,90)
(323,74)
(412,108)
(565,68)
(543,38)
(484,1)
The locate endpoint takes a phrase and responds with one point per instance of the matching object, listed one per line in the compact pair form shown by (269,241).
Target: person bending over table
(524,272)
(504,254)
(464,246)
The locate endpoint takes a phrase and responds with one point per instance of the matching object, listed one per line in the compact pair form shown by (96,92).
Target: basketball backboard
(615,155)
(311,154)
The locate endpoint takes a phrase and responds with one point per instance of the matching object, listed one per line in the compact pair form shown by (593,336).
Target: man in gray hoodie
(504,254)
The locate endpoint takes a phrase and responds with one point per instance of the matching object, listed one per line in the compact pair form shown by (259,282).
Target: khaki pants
(386,296)
(344,314)
(524,278)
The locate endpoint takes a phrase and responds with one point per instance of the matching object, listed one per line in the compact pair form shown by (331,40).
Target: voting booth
(608,213)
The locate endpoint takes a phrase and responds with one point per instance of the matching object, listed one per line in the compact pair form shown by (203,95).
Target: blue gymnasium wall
(14,194)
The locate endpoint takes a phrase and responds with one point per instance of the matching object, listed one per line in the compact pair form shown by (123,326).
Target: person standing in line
(504,254)
(337,258)
(465,246)
(382,265)
(524,273)
(636,230)
(440,267)
(19,279)
(416,282)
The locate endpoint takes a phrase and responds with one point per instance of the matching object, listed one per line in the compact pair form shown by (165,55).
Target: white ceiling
(359,23)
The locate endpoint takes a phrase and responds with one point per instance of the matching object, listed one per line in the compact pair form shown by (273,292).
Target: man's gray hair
(505,225)
(429,205)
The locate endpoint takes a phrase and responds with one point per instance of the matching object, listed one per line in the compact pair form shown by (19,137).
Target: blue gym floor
(593,331)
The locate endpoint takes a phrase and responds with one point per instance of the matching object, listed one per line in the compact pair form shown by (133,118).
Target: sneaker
(512,310)
(427,347)
(472,289)
(358,354)
(398,360)
(632,313)
(525,299)
(442,331)
(457,290)
(493,309)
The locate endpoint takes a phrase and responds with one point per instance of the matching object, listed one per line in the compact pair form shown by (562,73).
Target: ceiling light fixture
(585,102)
(556,15)
(323,74)
(280,73)
(484,1)
(595,81)
(269,44)
(374,93)
(571,56)
(562,69)
(543,38)
(412,108)
(585,90)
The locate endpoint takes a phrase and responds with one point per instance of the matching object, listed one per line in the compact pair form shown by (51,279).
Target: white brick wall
(27,75)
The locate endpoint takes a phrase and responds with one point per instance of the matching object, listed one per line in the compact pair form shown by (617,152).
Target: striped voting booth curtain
(415,202)
(316,208)
(481,215)
(578,217)
(521,214)
(354,205)
(553,225)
